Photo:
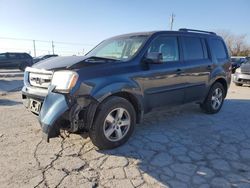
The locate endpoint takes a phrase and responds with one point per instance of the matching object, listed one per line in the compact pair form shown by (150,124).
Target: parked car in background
(237,61)
(39,58)
(242,74)
(109,90)
(15,60)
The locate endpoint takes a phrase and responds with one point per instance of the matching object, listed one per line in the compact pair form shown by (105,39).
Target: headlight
(64,80)
(238,70)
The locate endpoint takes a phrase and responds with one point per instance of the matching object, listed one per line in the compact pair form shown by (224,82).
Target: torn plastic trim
(54,106)
(81,115)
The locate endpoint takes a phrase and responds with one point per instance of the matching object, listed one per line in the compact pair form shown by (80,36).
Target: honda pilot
(107,91)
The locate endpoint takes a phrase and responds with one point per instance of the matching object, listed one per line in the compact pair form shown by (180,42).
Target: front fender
(54,106)
(110,89)
(132,92)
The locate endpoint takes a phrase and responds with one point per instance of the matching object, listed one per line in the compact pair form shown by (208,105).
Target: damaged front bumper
(59,111)
(54,106)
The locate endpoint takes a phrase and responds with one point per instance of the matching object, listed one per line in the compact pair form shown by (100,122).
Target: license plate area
(35,106)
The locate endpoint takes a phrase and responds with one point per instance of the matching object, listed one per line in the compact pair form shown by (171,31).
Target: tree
(236,44)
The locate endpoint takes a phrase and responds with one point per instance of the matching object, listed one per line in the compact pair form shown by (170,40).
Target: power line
(52,43)
(59,42)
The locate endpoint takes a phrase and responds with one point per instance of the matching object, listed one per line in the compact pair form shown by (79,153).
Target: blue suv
(107,91)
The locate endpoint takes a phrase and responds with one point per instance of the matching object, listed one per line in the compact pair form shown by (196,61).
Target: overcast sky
(90,21)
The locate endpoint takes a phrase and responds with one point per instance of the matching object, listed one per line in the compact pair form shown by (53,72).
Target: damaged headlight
(64,80)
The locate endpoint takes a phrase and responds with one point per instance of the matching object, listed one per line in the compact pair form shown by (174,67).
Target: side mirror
(153,58)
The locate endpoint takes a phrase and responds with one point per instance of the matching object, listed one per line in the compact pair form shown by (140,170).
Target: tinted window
(26,56)
(218,49)
(167,46)
(13,56)
(192,48)
(22,56)
(3,56)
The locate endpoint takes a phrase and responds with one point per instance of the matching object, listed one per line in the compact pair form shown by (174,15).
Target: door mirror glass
(154,58)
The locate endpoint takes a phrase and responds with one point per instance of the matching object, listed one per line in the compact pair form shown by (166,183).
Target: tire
(107,131)
(211,105)
(238,84)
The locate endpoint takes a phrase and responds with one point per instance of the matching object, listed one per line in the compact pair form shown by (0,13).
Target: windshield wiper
(100,58)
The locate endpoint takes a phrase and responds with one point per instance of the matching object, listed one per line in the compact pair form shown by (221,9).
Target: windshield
(121,49)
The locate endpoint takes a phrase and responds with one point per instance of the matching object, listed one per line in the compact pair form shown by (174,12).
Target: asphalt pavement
(174,147)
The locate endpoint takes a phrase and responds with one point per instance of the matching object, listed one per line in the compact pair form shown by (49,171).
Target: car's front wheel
(114,123)
(215,99)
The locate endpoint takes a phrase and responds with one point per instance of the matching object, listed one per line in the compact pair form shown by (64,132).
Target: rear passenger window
(193,48)
(218,49)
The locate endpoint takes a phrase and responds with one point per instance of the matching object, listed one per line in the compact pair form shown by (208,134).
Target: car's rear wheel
(238,84)
(215,99)
(114,123)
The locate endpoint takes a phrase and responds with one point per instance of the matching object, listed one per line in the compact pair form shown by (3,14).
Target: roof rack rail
(198,31)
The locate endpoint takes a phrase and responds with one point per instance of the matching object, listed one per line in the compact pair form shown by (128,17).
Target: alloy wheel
(217,98)
(116,124)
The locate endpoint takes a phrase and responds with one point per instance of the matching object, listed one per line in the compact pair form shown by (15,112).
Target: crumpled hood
(61,62)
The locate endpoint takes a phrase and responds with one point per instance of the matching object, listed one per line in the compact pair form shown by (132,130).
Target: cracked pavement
(173,147)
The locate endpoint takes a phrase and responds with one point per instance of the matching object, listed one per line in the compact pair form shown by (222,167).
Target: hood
(245,67)
(61,62)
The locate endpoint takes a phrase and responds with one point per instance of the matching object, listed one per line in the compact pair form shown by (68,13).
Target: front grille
(245,71)
(245,68)
(39,78)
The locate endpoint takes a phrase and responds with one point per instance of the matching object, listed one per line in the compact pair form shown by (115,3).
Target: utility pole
(34,47)
(53,47)
(172,21)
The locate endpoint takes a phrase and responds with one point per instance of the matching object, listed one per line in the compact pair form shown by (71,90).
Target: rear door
(197,67)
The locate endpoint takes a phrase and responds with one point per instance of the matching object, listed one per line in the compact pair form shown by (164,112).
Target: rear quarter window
(219,49)
(193,48)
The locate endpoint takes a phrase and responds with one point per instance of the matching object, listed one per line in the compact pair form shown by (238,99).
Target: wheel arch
(130,97)
(223,82)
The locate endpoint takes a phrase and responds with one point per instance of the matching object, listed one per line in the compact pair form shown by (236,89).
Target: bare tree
(236,44)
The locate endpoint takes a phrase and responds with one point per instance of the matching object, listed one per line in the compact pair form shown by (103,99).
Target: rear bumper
(241,78)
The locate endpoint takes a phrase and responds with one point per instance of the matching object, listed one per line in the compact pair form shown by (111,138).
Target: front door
(163,83)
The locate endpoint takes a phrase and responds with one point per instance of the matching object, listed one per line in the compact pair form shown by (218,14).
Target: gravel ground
(177,147)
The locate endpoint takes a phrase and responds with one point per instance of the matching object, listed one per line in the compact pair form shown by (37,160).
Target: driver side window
(167,46)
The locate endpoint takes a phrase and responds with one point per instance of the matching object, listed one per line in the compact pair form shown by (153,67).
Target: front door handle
(209,67)
(179,71)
